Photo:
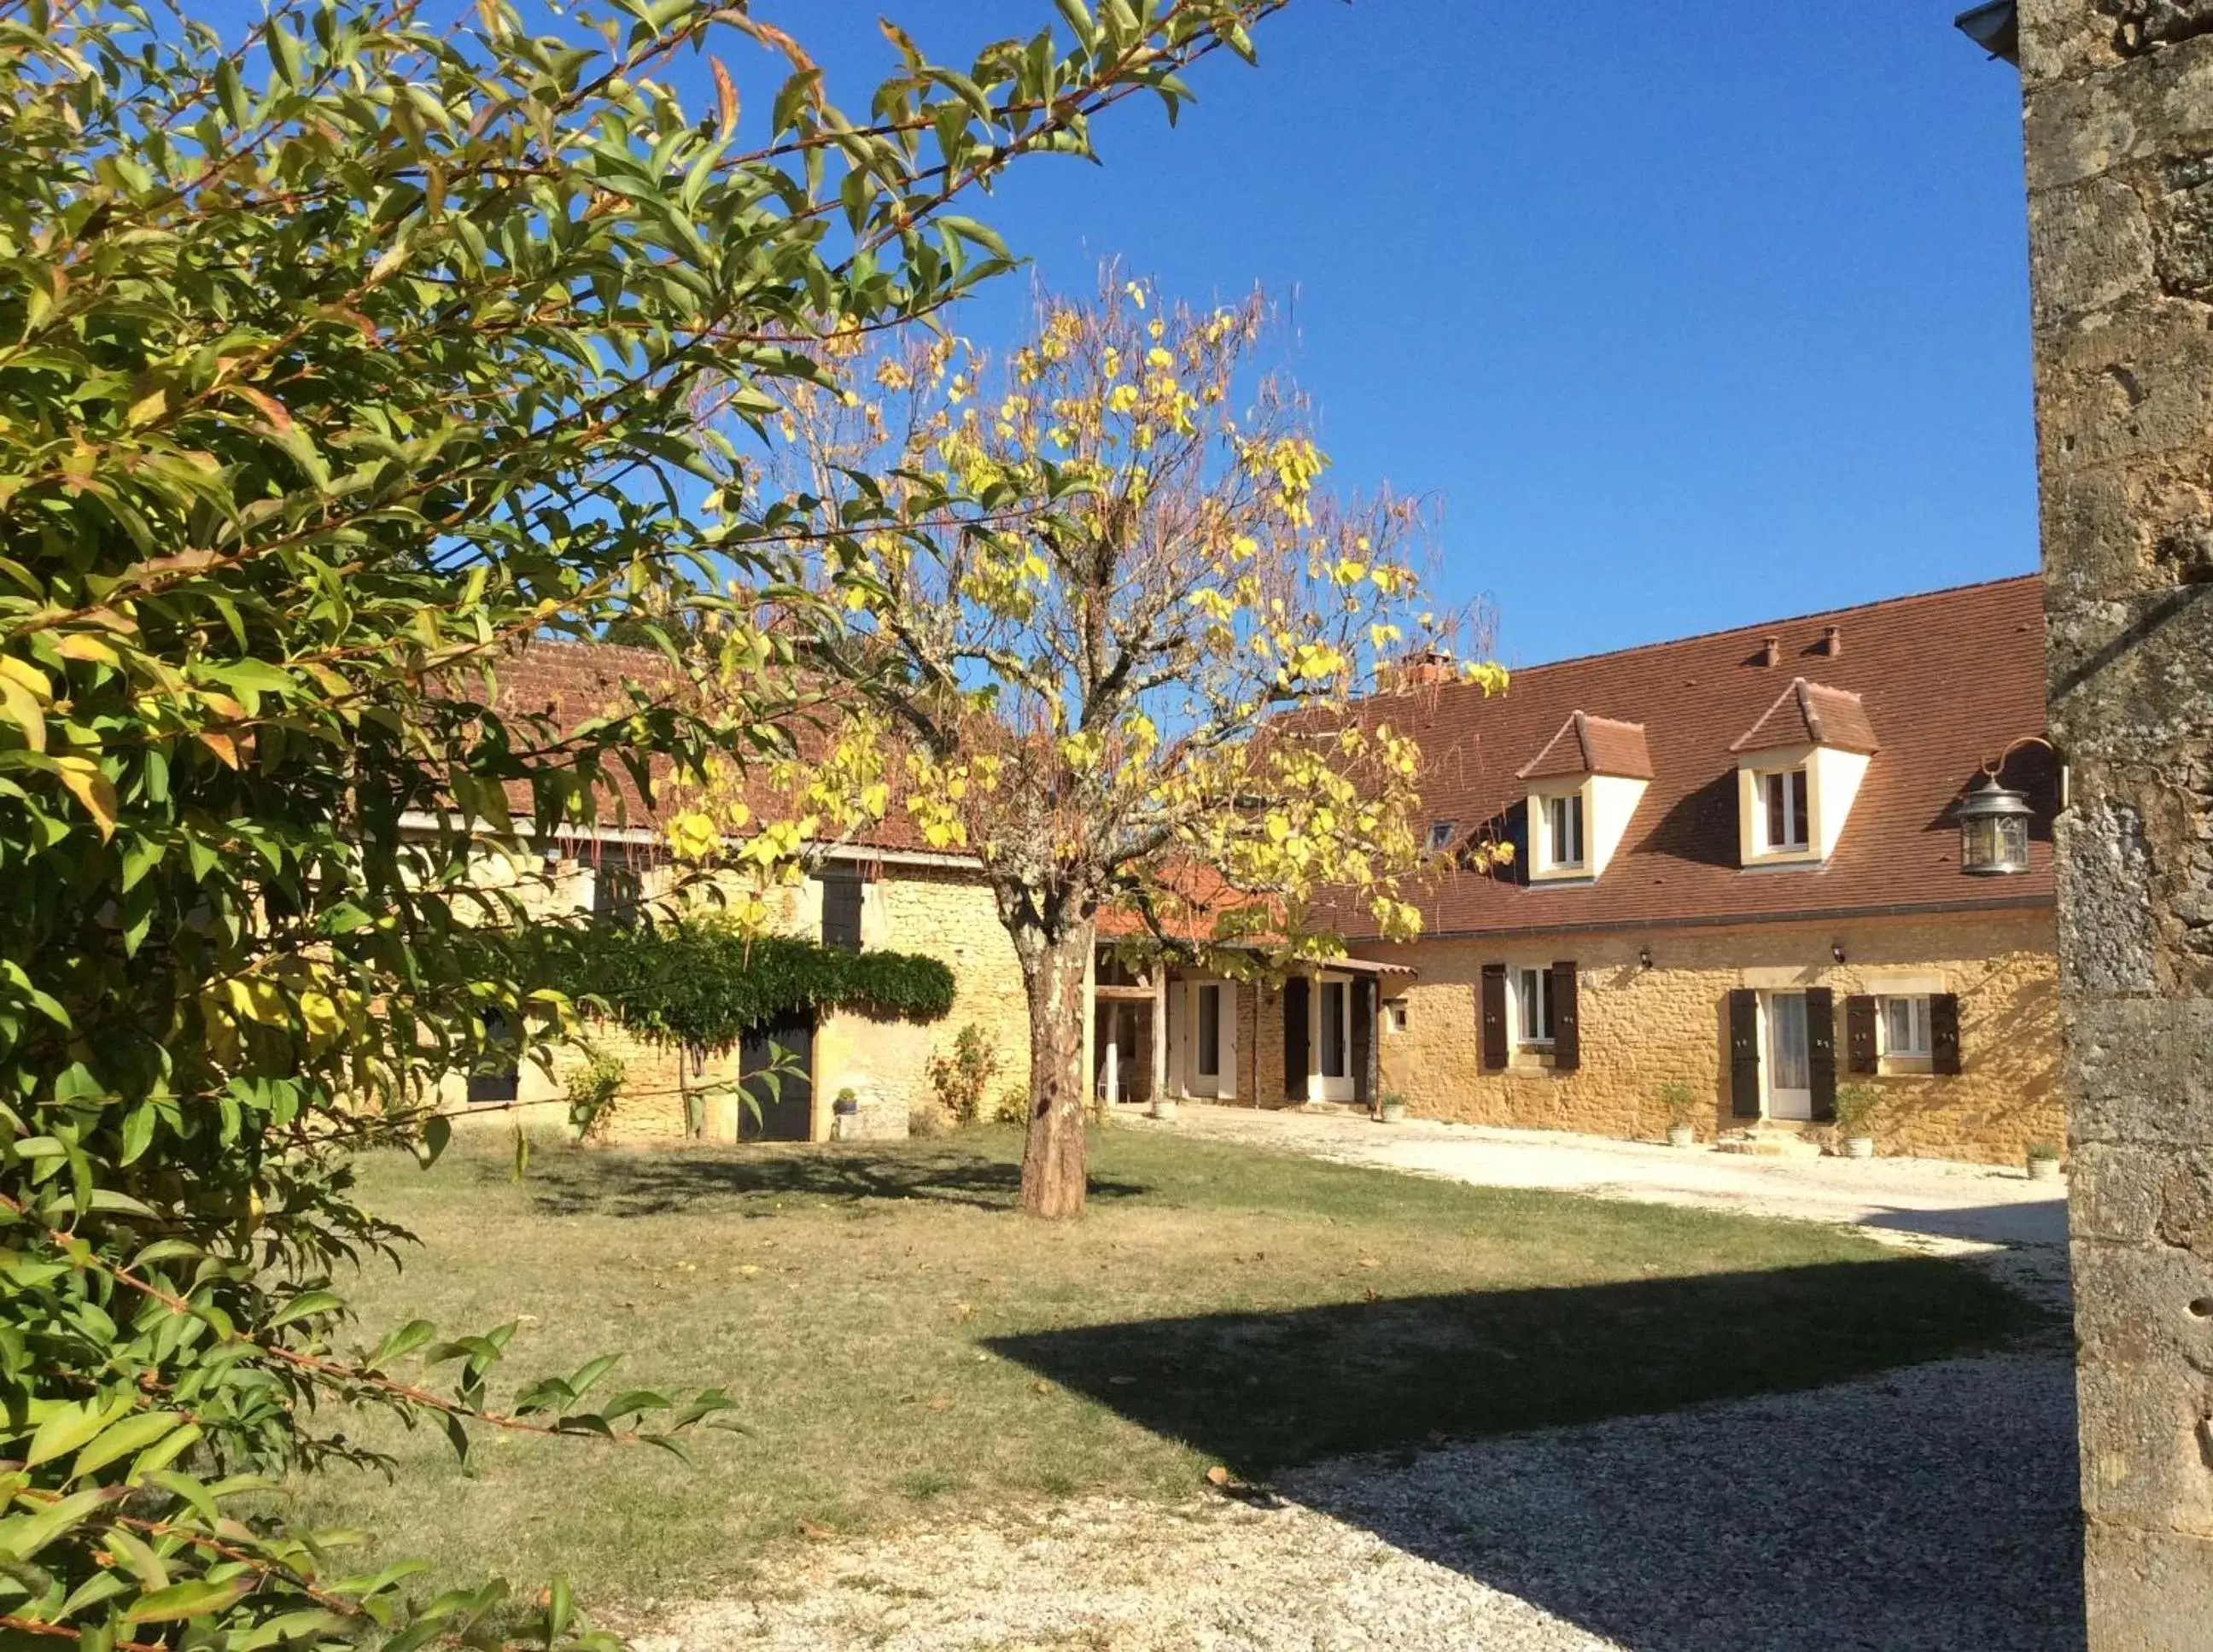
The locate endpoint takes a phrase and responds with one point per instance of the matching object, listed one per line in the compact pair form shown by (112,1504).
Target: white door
(1790,1061)
(1333,1037)
(1211,1043)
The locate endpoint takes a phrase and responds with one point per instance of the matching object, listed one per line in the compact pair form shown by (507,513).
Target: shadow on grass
(1936,1510)
(620,1184)
(1260,1392)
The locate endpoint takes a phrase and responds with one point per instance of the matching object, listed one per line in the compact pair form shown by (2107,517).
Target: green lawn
(900,1343)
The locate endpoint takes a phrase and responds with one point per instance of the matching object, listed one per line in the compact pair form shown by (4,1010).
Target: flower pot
(1164,1108)
(2043,1170)
(1859,1147)
(1682,1136)
(1392,1112)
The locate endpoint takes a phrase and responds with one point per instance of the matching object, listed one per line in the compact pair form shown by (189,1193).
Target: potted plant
(1391,1106)
(1682,1104)
(1856,1106)
(845,1116)
(2043,1162)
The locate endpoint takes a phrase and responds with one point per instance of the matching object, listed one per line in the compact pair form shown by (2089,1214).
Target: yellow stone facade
(1644,1027)
(943,912)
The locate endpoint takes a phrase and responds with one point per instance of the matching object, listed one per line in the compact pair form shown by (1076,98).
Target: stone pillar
(2119,144)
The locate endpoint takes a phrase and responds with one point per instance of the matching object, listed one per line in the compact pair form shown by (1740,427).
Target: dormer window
(1799,770)
(1442,833)
(1784,814)
(1563,830)
(1584,787)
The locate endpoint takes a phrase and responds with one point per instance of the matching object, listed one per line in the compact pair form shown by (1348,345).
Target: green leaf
(197,1597)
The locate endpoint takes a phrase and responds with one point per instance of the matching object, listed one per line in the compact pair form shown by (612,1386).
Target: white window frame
(1205,1019)
(1534,1026)
(1918,1021)
(1794,820)
(1442,833)
(1564,831)
(1394,1015)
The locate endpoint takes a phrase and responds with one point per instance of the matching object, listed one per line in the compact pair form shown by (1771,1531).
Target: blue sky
(1690,316)
(1687,315)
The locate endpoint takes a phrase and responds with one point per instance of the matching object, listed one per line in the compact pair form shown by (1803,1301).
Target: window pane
(1332,1029)
(1797,808)
(1771,785)
(1210,1031)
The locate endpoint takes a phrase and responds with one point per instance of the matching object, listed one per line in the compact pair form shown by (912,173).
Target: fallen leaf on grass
(1042,1385)
(1218,1475)
(940,1402)
(815,1530)
(1369,1262)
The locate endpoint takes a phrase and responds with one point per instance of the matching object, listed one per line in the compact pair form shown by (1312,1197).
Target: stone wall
(2118,121)
(1642,1027)
(941,912)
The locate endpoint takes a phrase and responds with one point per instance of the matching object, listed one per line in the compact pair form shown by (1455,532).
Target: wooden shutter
(1859,1033)
(1295,991)
(1744,1053)
(1943,1032)
(1363,1039)
(841,907)
(1492,1001)
(1567,1027)
(1821,1049)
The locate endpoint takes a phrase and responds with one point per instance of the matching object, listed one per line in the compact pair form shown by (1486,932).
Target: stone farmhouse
(1736,865)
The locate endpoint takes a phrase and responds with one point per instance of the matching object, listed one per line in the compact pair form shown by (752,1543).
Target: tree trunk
(1053,1153)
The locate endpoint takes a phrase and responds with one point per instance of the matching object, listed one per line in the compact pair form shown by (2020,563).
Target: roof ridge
(1804,690)
(1750,626)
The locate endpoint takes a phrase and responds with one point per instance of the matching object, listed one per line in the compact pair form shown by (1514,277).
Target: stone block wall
(1641,1028)
(2119,126)
(942,912)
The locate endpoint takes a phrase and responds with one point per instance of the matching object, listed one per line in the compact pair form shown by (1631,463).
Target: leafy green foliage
(591,1092)
(702,984)
(960,1080)
(1857,1108)
(335,358)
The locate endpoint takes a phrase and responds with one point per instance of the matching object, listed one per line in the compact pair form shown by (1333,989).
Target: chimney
(1424,668)
(1833,640)
(1771,652)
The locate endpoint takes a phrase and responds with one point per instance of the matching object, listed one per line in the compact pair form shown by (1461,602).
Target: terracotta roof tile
(1950,677)
(1809,714)
(1588,745)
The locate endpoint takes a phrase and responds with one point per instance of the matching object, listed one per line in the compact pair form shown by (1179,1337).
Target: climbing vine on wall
(702,984)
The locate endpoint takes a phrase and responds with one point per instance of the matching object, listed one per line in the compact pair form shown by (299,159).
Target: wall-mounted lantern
(1993,830)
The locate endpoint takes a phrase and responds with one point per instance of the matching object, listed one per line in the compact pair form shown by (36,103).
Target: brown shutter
(1821,1049)
(1567,1027)
(1744,1053)
(1859,1033)
(1295,991)
(1493,1003)
(1943,1032)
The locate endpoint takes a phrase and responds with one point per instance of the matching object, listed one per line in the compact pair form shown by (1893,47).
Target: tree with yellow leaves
(1128,642)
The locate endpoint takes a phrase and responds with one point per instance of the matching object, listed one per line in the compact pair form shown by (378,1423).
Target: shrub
(1857,1107)
(592,1090)
(1680,1101)
(959,1081)
(1014,1107)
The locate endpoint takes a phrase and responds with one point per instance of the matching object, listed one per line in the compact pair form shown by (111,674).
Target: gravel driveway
(1930,1508)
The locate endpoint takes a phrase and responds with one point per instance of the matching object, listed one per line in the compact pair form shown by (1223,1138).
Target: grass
(902,1344)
